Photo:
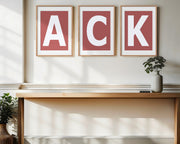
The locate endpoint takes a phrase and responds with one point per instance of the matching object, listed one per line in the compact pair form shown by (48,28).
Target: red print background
(100,30)
(146,30)
(63,18)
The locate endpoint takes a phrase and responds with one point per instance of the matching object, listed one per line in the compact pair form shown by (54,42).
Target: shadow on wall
(174,67)
(98,119)
(172,70)
(26,142)
(9,58)
(10,5)
(10,41)
(81,140)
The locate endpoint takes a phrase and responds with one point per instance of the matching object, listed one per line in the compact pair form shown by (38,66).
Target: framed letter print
(96,30)
(138,30)
(54,30)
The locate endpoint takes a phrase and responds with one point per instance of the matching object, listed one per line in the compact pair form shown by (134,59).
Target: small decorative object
(145,91)
(139,30)
(96,30)
(155,64)
(7,104)
(54,30)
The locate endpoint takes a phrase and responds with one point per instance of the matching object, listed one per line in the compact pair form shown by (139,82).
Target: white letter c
(90,27)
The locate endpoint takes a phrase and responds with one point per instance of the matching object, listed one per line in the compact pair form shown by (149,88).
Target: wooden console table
(175,96)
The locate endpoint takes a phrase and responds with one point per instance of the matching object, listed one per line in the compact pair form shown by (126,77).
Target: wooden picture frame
(132,39)
(54,30)
(104,19)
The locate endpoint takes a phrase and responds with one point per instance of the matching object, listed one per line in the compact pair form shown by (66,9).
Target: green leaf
(154,64)
(7,102)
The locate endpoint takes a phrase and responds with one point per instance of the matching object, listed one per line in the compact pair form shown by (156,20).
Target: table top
(97,95)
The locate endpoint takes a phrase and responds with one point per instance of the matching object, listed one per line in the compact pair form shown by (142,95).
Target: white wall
(99,117)
(104,70)
(89,117)
(102,117)
(11,44)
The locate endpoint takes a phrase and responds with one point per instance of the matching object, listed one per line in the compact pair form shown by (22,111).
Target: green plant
(7,103)
(154,64)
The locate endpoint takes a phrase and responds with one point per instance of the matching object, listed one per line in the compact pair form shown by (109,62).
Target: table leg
(21,121)
(177,121)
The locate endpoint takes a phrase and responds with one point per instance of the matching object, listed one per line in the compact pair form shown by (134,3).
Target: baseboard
(98,140)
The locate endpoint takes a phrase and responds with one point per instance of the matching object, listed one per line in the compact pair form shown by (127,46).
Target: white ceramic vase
(157,83)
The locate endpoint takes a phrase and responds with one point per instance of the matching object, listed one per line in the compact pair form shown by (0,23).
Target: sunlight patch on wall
(10,45)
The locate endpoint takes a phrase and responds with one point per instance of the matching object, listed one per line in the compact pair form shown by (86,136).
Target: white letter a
(54,21)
